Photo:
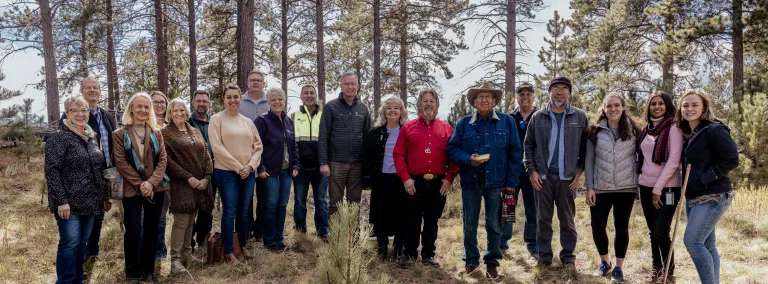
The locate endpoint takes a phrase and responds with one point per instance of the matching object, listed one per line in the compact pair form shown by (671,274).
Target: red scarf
(661,131)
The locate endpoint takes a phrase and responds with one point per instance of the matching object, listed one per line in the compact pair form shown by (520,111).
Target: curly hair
(381,119)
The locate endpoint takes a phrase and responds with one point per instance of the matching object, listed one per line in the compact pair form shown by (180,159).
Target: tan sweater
(234,141)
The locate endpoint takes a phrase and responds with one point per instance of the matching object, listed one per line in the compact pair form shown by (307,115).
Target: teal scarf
(134,158)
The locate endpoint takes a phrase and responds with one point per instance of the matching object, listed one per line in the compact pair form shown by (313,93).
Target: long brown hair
(706,112)
(628,128)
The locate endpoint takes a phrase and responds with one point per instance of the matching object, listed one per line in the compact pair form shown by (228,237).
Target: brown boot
(231,259)
(492,274)
(247,254)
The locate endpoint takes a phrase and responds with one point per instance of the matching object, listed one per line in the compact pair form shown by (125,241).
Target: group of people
(173,159)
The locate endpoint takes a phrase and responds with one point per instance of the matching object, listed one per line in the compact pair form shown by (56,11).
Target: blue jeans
(470,199)
(93,240)
(236,194)
(162,249)
(319,184)
(529,204)
(276,193)
(73,239)
(699,237)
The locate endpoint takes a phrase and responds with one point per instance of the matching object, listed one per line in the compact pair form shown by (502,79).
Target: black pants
(622,203)
(140,249)
(427,204)
(659,223)
(386,211)
(255,225)
(203,224)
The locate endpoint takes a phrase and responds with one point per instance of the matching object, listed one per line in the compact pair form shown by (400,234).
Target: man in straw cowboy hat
(487,147)
(555,147)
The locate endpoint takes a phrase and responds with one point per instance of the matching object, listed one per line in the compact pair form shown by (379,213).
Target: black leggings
(622,203)
(659,223)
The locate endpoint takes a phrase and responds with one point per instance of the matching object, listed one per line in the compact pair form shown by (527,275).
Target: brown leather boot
(231,259)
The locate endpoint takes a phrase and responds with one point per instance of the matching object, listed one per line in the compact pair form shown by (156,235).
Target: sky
(23,69)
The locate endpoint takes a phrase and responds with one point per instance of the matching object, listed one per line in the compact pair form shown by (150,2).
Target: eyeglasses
(158,102)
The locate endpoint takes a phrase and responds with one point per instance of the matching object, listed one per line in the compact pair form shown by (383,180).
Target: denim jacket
(501,141)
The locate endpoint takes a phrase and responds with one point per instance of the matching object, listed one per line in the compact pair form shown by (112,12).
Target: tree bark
(667,66)
(160,51)
(245,35)
(49,59)
(113,94)
(403,52)
(284,47)
(376,56)
(738,52)
(84,51)
(192,48)
(320,26)
(509,68)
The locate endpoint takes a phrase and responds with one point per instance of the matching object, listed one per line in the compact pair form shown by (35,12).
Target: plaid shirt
(104,143)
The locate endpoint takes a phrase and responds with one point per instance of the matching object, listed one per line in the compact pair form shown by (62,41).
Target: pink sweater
(666,174)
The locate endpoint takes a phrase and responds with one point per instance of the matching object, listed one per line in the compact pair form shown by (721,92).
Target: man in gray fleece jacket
(343,124)
(554,152)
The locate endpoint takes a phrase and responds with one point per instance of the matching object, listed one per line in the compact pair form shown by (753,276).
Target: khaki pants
(344,175)
(181,236)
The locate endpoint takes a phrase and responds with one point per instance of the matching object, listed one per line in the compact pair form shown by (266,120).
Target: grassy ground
(28,238)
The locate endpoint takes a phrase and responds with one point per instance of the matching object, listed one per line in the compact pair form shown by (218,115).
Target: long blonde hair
(381,119)
(128,114)
(706,112)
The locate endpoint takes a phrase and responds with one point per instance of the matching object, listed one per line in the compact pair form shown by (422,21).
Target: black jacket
(373,160)
(109,123)
(712,153)
(73,171)
(342,128)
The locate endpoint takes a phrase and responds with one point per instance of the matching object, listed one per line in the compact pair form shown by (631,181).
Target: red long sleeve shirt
(422,149)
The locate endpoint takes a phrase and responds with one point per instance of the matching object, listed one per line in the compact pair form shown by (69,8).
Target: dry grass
(28,238)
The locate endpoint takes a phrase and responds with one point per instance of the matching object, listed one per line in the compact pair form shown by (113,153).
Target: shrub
(343,260)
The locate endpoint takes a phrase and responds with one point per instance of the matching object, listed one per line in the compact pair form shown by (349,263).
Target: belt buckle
(429,177)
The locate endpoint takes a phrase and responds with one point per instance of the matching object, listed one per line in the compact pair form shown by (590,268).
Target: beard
(559,103)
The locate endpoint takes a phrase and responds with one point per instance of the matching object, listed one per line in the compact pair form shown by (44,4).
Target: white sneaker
(177,267)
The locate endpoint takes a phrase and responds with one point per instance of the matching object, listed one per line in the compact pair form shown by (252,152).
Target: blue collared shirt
(103,134)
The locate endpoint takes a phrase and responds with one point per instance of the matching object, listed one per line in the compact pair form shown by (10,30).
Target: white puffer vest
(615,161)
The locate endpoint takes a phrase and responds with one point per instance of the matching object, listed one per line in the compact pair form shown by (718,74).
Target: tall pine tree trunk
(509,64)
(245,36)
(403,51)
(113,94)
(284,47)
(192,48)
(49,59)
(668,64)
(320,24)
(738,52)
(376,56)
(84,51)
(160,52)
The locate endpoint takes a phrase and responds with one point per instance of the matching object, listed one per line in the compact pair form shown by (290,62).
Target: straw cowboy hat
(484,87)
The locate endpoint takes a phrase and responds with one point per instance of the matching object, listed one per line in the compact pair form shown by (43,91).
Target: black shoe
(471,269)
(430,262)
(603,270)
(617,276)
(543,264)
(274,248)
(150,278)
(492,274)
